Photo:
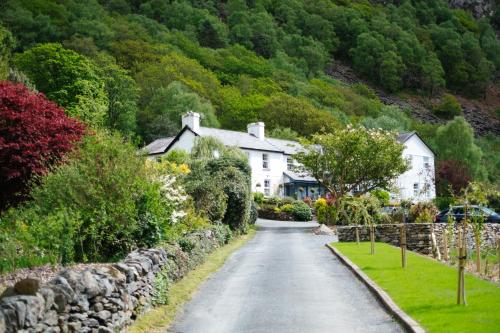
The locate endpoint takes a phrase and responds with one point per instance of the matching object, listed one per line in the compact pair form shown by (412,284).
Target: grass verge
(159,318)
(426,289)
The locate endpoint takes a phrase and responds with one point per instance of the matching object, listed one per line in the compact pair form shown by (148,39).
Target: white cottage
(272,163)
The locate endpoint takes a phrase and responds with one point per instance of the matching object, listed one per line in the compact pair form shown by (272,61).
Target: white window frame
(427,162)
(265,161)
(267,187)
(289,163)
(416,188)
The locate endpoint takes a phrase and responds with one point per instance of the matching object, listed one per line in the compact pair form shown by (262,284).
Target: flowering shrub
(423,212)
(34,135)
(325,211)
(287,209)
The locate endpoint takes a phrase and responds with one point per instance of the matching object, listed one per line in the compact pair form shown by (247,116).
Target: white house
(272,163)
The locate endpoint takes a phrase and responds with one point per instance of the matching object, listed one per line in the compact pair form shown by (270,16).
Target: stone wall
(418,235)
(103,298)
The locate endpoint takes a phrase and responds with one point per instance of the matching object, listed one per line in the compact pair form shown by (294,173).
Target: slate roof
(403,137)
(239,139)
(159,146)
(294,176)
(287,146)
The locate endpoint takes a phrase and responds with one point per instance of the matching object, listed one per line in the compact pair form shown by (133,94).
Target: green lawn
(426,289)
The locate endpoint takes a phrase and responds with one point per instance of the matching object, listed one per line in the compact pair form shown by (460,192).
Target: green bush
(104,202)
(443,202)
(253,213)
(287,208)
(301,211)
(448,107)
(258,197)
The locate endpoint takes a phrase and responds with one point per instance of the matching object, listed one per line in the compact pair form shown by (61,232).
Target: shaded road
(283,280)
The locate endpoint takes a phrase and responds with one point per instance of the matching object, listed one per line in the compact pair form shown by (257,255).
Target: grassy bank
(426,289)
(161,317)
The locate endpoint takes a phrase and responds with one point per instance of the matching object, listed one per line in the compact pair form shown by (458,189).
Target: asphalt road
(283,280)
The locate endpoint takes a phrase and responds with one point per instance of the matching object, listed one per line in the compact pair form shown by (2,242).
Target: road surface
(284,280)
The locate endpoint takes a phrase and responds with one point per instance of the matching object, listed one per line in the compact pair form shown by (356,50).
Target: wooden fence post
(372,239)
(446,253)
(357,234)
(402,244)
(462,243)
(435,248)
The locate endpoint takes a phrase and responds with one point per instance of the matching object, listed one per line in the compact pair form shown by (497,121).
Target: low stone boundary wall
(102,298)
(418,235)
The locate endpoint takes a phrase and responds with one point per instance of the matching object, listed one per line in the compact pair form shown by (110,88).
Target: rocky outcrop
(106,298)
(478,8)
(481,121)
(418,235)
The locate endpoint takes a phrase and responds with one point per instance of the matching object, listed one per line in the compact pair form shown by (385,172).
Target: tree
(6,46)
(455,141)
(67,78)
(34,135)
(391,71)
(123,95)
(451,175)
(353,160)
(448,107)
(167,107)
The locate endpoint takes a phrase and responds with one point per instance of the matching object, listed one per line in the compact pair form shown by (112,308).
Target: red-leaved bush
(451,173)
(35,133)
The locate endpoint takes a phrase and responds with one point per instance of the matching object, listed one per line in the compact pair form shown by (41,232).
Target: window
(427,163)
(289,163)
(415,189)
(267,187)
(265,161)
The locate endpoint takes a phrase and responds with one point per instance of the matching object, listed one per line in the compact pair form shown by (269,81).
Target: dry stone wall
(104,298)
(418,235)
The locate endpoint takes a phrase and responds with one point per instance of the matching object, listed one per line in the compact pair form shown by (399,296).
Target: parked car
(458,212)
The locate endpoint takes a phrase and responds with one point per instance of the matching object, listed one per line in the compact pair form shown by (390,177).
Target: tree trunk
(357,234)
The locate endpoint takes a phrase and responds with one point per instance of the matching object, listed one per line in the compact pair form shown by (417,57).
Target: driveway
(283,280)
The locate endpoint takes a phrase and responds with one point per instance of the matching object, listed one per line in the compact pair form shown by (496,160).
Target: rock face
(478,8)
(418,235)
(105,298)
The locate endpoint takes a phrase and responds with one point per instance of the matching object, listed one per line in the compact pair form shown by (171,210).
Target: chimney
(256,129)
(191,119)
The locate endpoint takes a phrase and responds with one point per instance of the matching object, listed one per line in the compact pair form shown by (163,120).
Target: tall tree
(353,160)
(67,78)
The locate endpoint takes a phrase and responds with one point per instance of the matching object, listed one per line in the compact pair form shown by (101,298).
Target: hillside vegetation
(136,66)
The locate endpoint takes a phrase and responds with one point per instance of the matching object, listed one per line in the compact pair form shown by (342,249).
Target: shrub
(34,135)
(209,197)
(325,211)
(301,211)
(382,196)
(253,213)
(258,197)
(443,202)
(114,202)
(237,189)
(288,208)
(423,212)
(448,107)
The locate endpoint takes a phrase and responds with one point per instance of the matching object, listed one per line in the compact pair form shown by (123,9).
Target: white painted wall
(185,142)
(274,173)
(416,151)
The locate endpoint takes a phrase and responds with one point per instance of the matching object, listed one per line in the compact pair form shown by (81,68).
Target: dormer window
(289,163)
(265,161)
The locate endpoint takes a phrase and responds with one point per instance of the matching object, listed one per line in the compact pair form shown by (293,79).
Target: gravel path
(283,280)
